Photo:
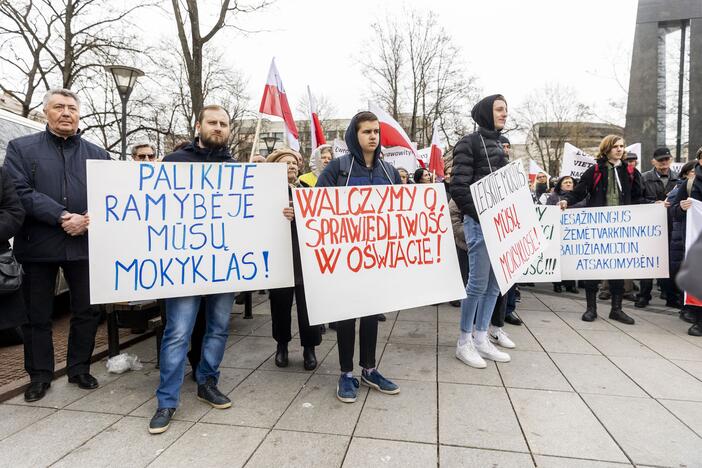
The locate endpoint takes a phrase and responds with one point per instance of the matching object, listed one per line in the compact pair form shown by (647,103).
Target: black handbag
(10,273)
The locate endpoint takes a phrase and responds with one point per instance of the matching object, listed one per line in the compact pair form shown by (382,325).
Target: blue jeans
(180,319)
(482,289)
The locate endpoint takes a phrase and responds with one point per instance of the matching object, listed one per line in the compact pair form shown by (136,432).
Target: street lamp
(125,79)
(270,142)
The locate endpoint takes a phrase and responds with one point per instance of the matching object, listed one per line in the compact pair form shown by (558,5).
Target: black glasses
(143,157)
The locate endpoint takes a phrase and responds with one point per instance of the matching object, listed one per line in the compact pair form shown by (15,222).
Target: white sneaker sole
(494,358)
(214,405)
(477,365)
(342,399)
(495,341)
(377,387)
(159,430)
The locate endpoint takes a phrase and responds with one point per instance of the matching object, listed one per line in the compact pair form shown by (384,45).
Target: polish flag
(316,132)
(391,133)
(534,170)
(275,102)
(436,162)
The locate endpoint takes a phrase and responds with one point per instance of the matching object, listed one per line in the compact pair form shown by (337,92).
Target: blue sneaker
(380,383)
(347,389)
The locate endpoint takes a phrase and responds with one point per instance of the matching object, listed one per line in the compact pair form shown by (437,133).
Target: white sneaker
(501,338)
(468,354)
(488,351)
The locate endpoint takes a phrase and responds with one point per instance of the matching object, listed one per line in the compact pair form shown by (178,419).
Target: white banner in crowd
(367,250)
(575,161)
(636,149)
(547,267)
(398,157)
(623,242)
(339,148)
(424,155)
(177,229)
(677,166)
(693,229)
(513,235)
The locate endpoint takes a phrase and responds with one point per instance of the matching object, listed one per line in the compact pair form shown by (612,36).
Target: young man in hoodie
(363,166)
(474,157)
(210,146)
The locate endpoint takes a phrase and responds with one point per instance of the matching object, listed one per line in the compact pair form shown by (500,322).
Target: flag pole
(255,140)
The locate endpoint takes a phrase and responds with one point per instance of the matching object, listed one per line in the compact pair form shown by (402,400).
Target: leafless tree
(325,107)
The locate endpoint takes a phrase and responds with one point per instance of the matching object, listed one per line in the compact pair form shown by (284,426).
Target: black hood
(482,111)
(354,146)
(557,188)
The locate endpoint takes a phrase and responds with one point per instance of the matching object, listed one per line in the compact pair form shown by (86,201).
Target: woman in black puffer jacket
(13,312)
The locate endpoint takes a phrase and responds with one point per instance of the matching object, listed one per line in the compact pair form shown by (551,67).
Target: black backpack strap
(344,168)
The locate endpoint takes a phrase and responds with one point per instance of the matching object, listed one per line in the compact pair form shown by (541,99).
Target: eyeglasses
(143,157)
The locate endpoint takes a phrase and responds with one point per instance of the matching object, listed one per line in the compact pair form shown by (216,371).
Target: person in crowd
(676,253)
(211,146)
(563,185)
(14,312)
(656,185)
(404,175)
(631,158)
(699,154)
(144,152)
(49,173)
(540,186)
(475,156)
(318,161)
(422,176)
(362,166)
(690,186)
(607,183)
(282,298)
(460,241)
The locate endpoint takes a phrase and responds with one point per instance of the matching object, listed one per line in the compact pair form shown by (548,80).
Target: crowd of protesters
(43,206)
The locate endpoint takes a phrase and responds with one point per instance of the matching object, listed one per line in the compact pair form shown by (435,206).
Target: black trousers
(463,264)
(667,285)
(38,288)
(615,286)
(281,307)
(499,312)
(346,339)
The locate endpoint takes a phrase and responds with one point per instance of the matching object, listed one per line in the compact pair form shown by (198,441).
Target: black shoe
(36,391)
(161,420)
(322,329)
(240,299)
(695,329)
(631,297)
(688,316)
(605,296)
(281,355)
(513,319)
(309,358)
(641,303)
(209,393)
(557,288)
(85,381)
(616,313)
(455,303)
(381,317)
(673,304)
(591,310)
(572,289)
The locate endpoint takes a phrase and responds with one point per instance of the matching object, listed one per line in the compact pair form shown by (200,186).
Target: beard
(213,141)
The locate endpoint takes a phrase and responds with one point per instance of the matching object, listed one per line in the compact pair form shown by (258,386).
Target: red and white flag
(316,132)
(391,133)
(436,160)
(275,102)
(534,170)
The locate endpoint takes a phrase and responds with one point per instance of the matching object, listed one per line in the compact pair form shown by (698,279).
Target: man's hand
(665,203)
(685,204)
(75,224)
(563,204)
(289,213)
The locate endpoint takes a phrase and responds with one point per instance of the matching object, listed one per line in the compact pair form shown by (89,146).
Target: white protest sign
(366,250)
(424,155)
(398,156)
(693,228)
(619,242)
(513,235)
(635,149)
(547,267)
(184,229)
(677,167)
(575,161)
(339,148)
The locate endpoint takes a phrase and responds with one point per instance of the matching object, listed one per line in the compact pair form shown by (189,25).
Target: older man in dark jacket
(49,173)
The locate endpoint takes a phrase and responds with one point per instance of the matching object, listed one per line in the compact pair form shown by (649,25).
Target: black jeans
(463,264)
(346,338)
(281,307)
(38,288)
(615,286)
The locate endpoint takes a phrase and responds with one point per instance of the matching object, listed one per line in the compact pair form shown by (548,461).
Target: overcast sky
(512,46)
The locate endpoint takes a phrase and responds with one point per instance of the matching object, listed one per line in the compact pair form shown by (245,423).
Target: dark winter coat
(677,236)
(595,194)
(558,194)
(380,173)
(476,155)
(12,311)
(193,153)
(49,173)
(653,188)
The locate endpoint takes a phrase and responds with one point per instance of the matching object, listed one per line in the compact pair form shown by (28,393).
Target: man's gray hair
(61,92)
(136,146)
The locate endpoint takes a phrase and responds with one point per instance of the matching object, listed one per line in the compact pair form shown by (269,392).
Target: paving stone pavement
(576,394)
